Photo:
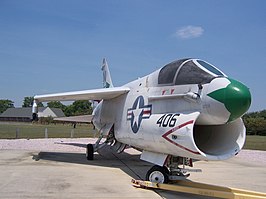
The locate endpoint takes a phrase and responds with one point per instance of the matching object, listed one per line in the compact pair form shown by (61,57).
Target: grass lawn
(31,131)
(255,142)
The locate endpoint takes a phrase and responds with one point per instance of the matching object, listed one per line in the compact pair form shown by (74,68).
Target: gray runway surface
(65,172)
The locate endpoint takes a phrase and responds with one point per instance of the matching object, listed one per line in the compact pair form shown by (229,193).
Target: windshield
(210,68)
(190,73)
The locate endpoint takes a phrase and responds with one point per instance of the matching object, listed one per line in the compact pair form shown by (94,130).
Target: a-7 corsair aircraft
(187,110)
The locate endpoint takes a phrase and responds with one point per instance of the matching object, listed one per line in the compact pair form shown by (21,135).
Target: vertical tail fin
(107,81)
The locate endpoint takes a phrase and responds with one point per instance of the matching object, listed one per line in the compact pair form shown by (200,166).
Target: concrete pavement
(34,174)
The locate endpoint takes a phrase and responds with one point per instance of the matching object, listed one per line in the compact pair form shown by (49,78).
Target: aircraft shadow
(128,163)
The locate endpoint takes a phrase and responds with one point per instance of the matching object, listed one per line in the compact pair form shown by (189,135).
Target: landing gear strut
(109,140)
(91,148)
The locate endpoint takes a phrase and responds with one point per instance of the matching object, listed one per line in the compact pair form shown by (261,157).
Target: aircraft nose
(236,97)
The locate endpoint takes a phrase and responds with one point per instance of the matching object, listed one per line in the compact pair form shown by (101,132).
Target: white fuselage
(167,100)
(187,108)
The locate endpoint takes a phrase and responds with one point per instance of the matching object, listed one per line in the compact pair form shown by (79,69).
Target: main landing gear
(116,146)
(172,171)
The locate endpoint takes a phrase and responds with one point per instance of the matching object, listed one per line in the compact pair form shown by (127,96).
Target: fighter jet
(186,111)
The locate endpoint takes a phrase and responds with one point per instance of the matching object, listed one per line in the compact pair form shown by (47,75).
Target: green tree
(56,104)
(80,107)
(28,102)
(5,104)
(255,126)
(255,122)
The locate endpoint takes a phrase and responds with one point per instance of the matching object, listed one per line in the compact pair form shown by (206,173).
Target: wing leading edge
(95,94)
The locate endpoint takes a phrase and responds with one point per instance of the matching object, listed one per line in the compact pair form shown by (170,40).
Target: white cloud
(189,32)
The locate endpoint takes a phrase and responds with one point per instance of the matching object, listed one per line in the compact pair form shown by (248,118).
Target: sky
(56,46)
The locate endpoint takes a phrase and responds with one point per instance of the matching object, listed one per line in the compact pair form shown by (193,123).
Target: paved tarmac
(35,174)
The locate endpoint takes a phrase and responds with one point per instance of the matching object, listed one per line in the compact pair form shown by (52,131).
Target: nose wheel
(158,174)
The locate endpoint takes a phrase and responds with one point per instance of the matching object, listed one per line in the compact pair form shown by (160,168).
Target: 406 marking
(167,120)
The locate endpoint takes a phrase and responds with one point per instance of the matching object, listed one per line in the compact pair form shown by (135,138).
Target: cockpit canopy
(188,71)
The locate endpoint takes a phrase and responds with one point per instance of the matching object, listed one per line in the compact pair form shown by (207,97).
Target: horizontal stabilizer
(95,94)
(77,119)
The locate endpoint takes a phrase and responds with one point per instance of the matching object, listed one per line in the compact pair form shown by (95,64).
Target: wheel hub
(156,176)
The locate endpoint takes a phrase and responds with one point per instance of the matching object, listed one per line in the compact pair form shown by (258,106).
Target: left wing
(95,94)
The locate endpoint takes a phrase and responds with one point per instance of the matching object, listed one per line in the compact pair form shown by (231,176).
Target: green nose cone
(236,98)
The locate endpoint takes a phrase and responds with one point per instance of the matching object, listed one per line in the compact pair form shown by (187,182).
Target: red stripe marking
(172,90)
(147,112)
(174,129)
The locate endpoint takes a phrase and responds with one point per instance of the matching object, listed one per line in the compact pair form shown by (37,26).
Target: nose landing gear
(172,171)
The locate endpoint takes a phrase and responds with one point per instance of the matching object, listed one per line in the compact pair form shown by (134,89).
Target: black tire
(89,152)
(158,174)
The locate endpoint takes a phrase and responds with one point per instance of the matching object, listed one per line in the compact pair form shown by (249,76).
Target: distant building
(25,114)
